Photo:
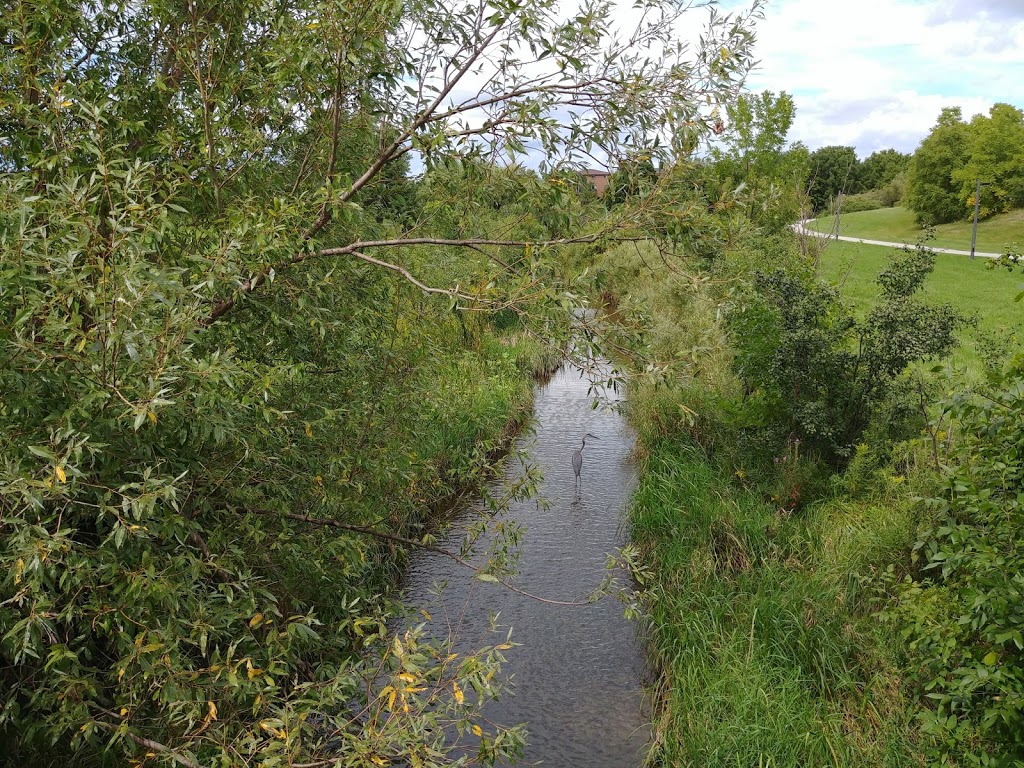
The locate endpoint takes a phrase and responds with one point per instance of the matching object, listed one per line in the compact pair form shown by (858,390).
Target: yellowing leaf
(309,430)
(211,710)
(478,731)
(124,711)
(407,677)
(270,726)
(991,658)
(59,471)
(151,416)
(255,620)
(254,672)
(459,695)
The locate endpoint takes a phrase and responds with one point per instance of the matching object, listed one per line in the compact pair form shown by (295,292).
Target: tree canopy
(956,155)
(832,171)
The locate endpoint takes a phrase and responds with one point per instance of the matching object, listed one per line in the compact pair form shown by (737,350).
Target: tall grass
(761,626)
(760,620)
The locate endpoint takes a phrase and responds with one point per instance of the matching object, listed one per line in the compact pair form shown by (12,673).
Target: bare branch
(409,276)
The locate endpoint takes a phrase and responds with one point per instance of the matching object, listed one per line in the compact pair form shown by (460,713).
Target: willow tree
(194,221)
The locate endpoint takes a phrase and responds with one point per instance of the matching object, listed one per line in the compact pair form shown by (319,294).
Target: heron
(577,456)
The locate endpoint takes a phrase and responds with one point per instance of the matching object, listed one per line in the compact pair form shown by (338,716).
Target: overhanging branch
(330,523)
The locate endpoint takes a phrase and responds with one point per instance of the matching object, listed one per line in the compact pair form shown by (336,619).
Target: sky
(874,74)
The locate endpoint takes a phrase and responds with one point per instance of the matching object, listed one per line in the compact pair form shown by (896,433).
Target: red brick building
(598,178)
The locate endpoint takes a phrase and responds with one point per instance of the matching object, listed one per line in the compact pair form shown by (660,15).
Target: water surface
(577,674)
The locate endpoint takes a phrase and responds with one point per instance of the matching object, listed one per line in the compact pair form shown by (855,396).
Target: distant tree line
(754,170)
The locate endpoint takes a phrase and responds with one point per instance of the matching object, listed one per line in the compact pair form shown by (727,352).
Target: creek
(577,675)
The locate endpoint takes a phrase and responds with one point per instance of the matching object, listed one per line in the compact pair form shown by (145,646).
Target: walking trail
(802,228)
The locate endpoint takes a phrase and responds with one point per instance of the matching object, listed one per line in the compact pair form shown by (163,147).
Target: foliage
(964,614)
(932,192)
(864,201)
(892,193)
(996,158)
(832,171)
(633,178)
(813,371)
(880,168)
(228,399)
(753,156)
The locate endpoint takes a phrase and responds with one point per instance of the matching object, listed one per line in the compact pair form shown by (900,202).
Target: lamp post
(977,204)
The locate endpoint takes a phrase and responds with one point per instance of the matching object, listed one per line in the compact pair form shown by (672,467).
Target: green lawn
(897,225)
(971,286)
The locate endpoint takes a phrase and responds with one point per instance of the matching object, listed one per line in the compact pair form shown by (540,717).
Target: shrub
(815,373)
(965,615)
(865,201)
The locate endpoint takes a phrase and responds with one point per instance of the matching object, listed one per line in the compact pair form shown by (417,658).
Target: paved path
(802,228)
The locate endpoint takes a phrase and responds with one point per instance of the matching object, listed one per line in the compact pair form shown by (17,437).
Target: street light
(977,204)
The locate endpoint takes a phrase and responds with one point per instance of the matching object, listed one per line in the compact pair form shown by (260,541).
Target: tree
(832,171)
(881,168)
(932,193)
(816,373)
(995,157)
(634,176)
(199,245)
(754,157)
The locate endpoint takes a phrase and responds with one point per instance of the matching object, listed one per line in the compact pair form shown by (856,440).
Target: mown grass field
(897,225)
(973,287)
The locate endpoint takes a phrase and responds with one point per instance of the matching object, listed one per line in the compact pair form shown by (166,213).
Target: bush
(865,201)
(965,615)
(814,373)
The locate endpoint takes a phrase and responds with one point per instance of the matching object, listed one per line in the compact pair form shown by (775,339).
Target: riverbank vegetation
(800,500)
(247,358)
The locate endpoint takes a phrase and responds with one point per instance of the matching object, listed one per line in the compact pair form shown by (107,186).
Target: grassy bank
(897,225)
(760,625)
(791,616)
(762,618)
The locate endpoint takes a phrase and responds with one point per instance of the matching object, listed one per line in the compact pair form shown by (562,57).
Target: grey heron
(577,456)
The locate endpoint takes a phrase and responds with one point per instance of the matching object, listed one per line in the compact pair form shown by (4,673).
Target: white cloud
(876,73)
